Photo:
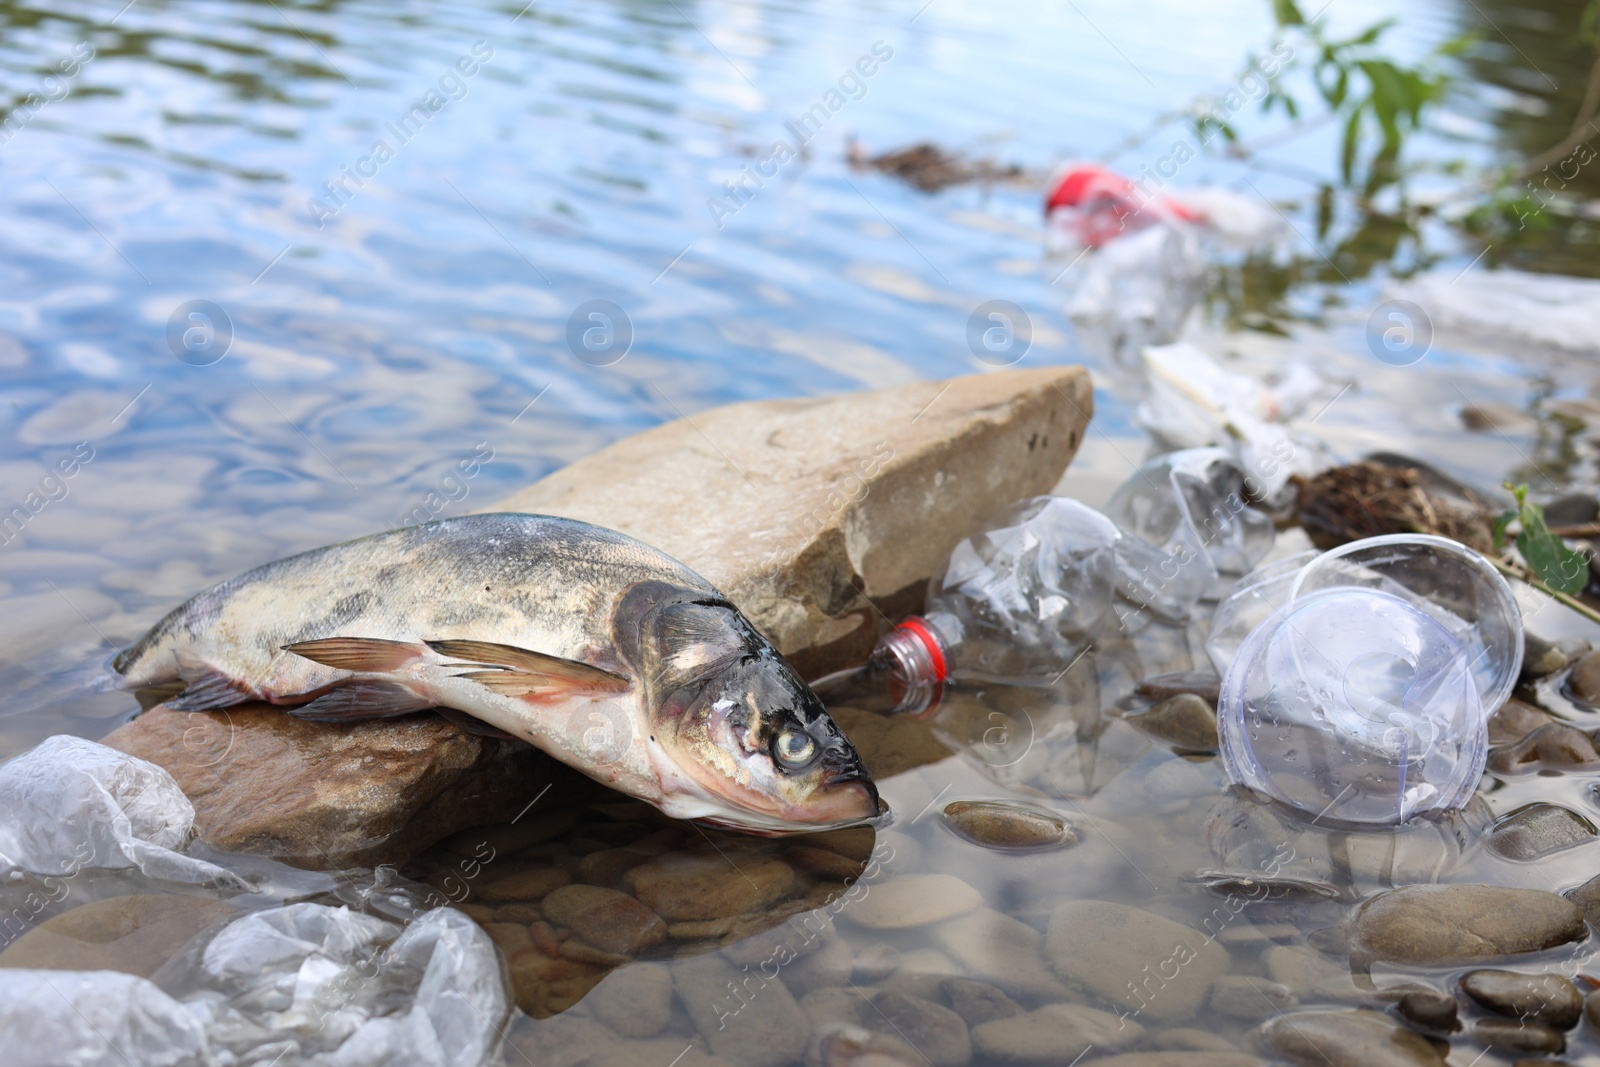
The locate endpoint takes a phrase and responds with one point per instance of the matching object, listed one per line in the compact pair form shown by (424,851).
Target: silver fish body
(604,652)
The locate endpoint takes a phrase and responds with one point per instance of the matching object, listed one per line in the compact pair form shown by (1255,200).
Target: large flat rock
(823,518)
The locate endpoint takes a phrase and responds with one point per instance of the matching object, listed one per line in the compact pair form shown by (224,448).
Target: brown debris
(1369,499)
(931,168)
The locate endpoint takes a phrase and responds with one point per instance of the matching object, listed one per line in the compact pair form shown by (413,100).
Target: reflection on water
(396,214)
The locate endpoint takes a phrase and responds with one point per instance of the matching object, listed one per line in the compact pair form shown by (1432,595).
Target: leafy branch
(1549,563)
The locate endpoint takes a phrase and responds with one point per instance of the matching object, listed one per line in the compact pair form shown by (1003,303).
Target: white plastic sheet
(69,804)
(1545,310)
(93,1018)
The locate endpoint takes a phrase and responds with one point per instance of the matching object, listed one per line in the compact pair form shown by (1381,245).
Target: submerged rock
(133,934)
(1053,1035)
(1345,1039)
(746,1018)
(1555,746)
(935,1031)
(1203,684)
(913,900)
(1002,951)
(1584,681)
(1004,825)
(1185,721)
(1243,997)
(685,887)
(634,1001)
(1542,998)
(1430,1009)
(1587,898)
(1519,1036)
(1153,967)
(608,920)
(1515,720)
(977,1002)
(1537,830)
(1442,925)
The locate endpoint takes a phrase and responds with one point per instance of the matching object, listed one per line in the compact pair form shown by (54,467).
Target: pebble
(1537,830)
(1243,997)
(832,1006)
(1587,898)
(635,1000)
(1431,1010)
(607,865)
(935,1031)
(1234,1058)
(763,1026)
(856,842)
(1441,925)
(530,884)
(1542,998)
(1555,746)
(1141,962)
(1584,681)
(1185,721)
(608,920)
(682,887)
(482,842)
(1515,720)
(1591,1008)
(1002,951)
(1203,684)
(825,862)
(854,1046)
(1541,658)
(134,934)
(661,1050)
(1053,1035)
(1002,825)
(875,964)
(828,967)
(1180,1038)
(1345,1039)
(1519,1036)
(1301,968)
(913,900)
(977,1002)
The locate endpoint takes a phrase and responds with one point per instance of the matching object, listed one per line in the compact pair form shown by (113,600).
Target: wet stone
(875,964)
(1584,681)
(1517,1036)
(133,934)
(681,887)
(1185,721)
(1431,1010)
(854,1046)
(1538,830)
(1555,746)
(1587,898)
(1001,825)
(1440,925)
(1345,1039)
(1137,960)
(635,1000)
(1233,1058)
(1002,951)
(746,1018)
(530,884)
(506,838)
(1243,997)
(1515,720)
(832,1006)
(610,921)
(977,1002)
(1541,658)
(1591,1008)
(1543,998)
(1053,1035)
(935,1031)
(1188,1038)
(1203,684)
(606,866)
(913,900)
(824,862)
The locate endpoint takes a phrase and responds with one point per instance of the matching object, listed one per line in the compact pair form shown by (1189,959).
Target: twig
(1586,113)
(1579,529)
(1527,576)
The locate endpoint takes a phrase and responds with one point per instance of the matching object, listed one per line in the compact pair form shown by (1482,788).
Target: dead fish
(604,652)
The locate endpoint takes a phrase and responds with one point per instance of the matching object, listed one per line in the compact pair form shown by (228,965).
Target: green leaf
(1352,135)
(1551,559)
(1287,12)
(1501,522)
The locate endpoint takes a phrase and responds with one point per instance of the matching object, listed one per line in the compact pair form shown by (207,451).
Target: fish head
(739,740)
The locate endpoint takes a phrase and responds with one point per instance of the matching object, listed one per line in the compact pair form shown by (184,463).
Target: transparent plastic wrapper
(299,985)
(69,804)
(1363,695)
(1191,505)
(1137,291)
(93,1018)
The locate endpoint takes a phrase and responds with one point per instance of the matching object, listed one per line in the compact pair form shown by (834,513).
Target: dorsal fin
(552,671)
(368,655)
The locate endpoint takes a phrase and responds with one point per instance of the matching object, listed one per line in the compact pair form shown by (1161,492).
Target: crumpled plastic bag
(1546,310)
(304,984)
(68,804)
(94,1018)
(1136,291)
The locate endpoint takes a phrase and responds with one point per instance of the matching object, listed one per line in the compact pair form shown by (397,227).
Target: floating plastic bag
(95,1018)
(69,804)
(1364,696)
(1136,291)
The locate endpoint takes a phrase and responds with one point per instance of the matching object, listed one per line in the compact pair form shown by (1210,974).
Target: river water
(384,313)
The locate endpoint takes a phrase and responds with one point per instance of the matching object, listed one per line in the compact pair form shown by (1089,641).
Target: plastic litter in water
(1357,683)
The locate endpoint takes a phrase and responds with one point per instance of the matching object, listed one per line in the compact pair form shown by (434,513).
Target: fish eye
(794,748)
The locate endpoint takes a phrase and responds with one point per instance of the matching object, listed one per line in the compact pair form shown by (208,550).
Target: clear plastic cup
(1249,603)
(1354,705)
(1460,589)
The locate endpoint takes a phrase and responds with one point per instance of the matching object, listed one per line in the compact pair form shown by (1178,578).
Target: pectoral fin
(206,688)
(525,672)
(366,655)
